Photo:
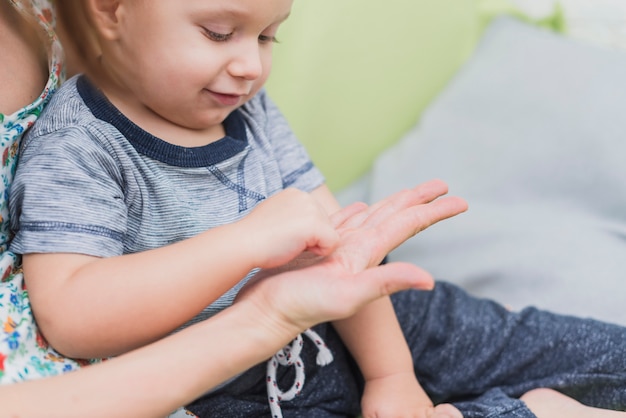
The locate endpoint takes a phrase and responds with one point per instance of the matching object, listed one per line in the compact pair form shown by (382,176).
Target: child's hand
(400,396)
(286,225)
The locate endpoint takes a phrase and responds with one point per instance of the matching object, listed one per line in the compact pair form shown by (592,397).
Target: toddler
(152,189)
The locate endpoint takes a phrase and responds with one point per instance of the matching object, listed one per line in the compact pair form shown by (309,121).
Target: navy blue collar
(149,145)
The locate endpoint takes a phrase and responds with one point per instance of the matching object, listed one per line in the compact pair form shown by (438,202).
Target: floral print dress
(24,354)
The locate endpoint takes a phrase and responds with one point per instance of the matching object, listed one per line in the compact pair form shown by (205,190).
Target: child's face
(191,62)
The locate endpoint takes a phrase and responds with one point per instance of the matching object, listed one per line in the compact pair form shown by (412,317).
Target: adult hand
(367,235)
(320,289)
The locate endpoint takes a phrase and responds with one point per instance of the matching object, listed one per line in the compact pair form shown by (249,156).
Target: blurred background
(599,21)
(517,104)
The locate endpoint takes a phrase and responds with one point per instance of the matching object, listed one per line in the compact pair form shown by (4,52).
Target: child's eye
(267,39)
(217,37)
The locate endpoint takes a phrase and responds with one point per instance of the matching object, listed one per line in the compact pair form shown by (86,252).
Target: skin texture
(24,71)
(338,275)
(212,57)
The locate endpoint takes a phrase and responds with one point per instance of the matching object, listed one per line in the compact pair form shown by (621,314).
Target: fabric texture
(468,351)
(118,190)
(461,345)
(24,353)
(531,133)
(115,189)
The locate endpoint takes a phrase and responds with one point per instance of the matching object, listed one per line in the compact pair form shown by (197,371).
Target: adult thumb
(383,280)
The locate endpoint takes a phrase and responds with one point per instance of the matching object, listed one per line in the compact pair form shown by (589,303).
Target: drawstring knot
(289,356)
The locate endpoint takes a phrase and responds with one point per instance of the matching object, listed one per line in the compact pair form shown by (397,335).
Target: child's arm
(251,329)
(154,380)
(99,307)
(375,340)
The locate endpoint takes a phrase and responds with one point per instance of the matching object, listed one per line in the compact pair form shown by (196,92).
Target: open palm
(312,289)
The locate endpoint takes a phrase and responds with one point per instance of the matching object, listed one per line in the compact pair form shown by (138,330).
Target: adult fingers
(384,280)
(338,218)
(404,224)
(421,194)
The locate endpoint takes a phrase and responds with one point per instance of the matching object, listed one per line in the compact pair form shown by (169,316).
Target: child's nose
(247,63)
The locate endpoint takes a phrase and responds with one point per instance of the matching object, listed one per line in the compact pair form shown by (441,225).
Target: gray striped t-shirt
(90,181)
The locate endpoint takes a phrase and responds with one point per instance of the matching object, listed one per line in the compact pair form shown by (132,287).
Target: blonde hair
(78,36)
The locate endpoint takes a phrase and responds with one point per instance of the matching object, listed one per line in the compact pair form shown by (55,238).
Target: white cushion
(532,132)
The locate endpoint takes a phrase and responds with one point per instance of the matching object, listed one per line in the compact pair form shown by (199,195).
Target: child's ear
(105,16)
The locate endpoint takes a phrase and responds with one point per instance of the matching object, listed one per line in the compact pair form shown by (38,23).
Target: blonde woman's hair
(77,36)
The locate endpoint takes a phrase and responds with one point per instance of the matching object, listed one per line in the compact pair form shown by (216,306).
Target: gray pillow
(532,132)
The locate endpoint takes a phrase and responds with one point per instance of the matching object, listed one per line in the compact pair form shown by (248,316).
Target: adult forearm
(156,379)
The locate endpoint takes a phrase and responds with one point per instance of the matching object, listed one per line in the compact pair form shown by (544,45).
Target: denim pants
(468,351)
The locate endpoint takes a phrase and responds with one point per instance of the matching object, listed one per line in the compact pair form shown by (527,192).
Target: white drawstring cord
(290,356)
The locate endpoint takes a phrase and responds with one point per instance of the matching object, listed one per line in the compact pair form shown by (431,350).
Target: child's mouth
(226,99)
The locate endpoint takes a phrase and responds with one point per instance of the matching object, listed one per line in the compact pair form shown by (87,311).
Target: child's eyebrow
(236,12)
